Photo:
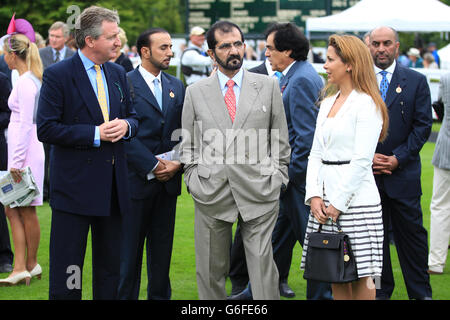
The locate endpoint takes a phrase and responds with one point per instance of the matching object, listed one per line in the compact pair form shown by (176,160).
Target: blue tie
(157,91)
(279,75)
(384,85)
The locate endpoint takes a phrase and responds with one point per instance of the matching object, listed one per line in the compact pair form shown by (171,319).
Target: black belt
(335,163)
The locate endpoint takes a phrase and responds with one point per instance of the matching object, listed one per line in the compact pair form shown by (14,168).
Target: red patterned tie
(230,100)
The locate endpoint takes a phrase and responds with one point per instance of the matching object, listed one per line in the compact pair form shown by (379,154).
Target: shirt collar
(237,78)
(285,71)
(148,76)
(87,63)
(62,52)
(389,69)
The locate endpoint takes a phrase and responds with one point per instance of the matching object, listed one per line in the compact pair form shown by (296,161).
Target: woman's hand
(332,212)
(318,210)
(16,174)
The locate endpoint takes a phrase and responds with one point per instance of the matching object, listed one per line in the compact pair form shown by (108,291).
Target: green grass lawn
(183,260)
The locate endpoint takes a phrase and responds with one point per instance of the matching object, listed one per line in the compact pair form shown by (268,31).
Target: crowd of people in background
(421,58)
(97,131)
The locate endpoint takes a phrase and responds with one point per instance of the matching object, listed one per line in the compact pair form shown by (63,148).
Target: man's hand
(114,130)
(168,171)
(384,164)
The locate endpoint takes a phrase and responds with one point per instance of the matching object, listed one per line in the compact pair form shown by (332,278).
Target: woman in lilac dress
(24,150)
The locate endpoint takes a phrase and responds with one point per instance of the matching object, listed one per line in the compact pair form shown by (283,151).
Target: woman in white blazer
(339,181)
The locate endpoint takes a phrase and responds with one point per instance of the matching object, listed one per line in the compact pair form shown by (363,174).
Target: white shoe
(21,277)
(36,272)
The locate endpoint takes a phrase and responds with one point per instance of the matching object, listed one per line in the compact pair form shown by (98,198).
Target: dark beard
(157,64)
(231,63)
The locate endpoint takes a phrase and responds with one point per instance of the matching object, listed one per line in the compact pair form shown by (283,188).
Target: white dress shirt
(62,53)
(237,80)
(390,70)
(285,71)
(149,77)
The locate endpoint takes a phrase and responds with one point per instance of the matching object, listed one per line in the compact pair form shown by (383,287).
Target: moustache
(234,56)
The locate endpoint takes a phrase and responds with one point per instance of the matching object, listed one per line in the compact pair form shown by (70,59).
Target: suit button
(162,122)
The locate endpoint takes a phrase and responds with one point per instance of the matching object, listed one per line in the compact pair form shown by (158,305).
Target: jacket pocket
(203,171)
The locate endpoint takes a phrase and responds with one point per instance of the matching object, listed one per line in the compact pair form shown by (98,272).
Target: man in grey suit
(235,151)
(57,49)
(440,201)
(54,52)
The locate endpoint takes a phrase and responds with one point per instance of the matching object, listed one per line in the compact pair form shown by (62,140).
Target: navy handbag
(329,257)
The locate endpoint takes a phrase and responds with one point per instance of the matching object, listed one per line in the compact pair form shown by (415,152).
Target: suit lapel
(87,93)
(216,103)
(48,55)
(168,93)
(249,91)
(143,90)
(347,103)
(285,80)
(115,92)
(325,108)
(398,81)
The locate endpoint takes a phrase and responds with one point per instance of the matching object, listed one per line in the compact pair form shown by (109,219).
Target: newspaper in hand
(20,194)
(170,155)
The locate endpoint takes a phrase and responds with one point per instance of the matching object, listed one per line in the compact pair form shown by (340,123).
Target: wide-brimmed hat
(414,52)
(197,31)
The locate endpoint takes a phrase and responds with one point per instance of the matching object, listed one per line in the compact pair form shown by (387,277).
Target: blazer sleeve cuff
(311,194)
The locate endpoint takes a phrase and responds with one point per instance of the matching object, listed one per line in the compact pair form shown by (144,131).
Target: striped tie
(101,95)
(56,56)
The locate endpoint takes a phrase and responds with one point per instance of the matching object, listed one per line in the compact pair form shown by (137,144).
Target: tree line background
(135,15)
(139,15)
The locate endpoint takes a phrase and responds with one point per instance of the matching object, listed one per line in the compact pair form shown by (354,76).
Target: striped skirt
(364,226)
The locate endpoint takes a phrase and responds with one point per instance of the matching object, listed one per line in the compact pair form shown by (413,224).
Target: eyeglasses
(227,46)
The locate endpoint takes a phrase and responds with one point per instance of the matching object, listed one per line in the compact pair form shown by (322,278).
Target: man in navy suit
(397,166)
(287,50)
(155,182)
(86,114)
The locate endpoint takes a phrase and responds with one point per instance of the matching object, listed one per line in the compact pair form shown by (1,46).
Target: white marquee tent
(402,15)
(444,55)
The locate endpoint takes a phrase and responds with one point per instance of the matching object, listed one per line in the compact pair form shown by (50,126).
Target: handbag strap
(336,223)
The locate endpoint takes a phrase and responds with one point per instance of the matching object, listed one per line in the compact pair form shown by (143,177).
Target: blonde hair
(354,52)
(122,37)
(26,50)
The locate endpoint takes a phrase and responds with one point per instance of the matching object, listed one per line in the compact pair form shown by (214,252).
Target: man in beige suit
(235,151)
